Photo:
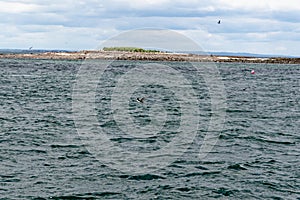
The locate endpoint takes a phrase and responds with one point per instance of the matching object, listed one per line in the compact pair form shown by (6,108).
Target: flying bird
(219,22)
(30,48)
(140,100)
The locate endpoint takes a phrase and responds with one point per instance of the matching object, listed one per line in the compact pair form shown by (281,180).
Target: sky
(252,26)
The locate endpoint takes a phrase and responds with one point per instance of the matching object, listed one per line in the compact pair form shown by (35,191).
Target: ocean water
(47,151)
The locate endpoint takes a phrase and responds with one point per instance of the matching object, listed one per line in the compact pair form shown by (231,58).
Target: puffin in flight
(141,100)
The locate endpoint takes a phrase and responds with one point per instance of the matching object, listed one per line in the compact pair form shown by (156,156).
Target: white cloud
(246,25)
(286,5)
(15,7)
(145,4)
(256,5)
(243,4)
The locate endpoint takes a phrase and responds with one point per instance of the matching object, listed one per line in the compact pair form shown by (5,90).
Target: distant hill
(241,54)
(248,55)
(236,54)
(20,51)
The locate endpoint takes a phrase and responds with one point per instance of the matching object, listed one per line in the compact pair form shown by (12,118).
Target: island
(132,53)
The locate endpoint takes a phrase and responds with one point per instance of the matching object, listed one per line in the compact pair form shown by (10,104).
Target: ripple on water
(42,157)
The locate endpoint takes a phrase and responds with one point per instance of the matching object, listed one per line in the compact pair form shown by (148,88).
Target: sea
(75,130)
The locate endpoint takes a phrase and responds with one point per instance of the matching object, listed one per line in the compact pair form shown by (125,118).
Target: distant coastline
(145,55)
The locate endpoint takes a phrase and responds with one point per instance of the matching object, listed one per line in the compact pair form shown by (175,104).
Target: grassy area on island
(130,49)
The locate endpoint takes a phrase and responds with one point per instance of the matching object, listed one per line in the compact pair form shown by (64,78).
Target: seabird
(30,48)
(219,22)
(141,100)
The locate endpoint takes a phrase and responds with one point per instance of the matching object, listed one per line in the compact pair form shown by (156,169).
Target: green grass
(129,49)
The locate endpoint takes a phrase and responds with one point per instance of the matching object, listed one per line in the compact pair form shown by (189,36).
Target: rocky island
(148,55)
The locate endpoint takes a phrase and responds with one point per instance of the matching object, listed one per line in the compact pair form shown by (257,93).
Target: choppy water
(42,156)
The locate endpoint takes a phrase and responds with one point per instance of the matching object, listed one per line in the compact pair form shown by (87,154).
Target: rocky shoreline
(117,55)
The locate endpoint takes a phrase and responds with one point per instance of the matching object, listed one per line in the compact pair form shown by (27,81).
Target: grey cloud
(243,25)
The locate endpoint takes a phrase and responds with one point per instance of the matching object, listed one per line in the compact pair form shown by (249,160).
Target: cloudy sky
(254,26)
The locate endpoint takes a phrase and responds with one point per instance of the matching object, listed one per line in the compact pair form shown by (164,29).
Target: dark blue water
(257,155)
